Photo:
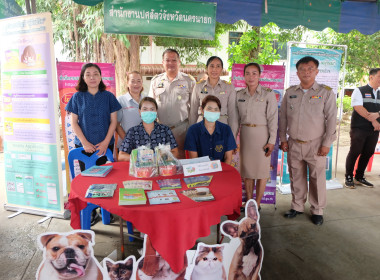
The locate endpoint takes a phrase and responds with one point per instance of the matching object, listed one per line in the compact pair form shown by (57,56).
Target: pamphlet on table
(199,194)
(168,184)
(100,190)
(198,181)
(162,197)
(138,184)
(202,168)
(132,197)
(97,171)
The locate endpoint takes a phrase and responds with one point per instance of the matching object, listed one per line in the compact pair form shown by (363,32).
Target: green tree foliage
(254,45)
(363,52)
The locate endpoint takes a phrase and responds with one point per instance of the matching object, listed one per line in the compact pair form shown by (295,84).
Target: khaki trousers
(300,157)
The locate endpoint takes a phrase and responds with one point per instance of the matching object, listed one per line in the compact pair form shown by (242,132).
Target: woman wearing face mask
(210,137)
(213,85)
(147,132)
(129,115)
(258,117)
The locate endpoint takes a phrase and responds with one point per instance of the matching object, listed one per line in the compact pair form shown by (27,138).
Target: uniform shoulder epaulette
(191,77)
(241,90)
(326,87)
(266,89)
(227,82)
(201,81)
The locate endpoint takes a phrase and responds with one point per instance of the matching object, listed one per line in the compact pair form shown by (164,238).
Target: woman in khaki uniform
(213,85)
(258,117)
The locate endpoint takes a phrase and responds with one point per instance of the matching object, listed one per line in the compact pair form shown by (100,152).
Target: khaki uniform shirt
(173,98)
(226,93)
(259,109)
(310,115)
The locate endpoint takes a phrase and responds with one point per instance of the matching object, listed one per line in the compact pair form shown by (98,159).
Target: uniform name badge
(179,97)
(222,92)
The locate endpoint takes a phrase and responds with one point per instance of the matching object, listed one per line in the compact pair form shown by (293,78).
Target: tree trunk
(134,52)
(114,51)
(33,2)
(77,51)
(27,4)
(254,53)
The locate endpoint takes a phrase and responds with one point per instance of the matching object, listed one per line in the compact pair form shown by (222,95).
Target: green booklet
(132,197)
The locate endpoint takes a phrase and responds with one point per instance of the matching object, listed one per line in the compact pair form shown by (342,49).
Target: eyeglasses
(309,69)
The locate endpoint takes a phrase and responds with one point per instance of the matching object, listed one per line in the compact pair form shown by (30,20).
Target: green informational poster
(190,19)
(33,174)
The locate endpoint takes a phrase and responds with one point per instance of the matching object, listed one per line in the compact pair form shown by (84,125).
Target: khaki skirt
(253,162)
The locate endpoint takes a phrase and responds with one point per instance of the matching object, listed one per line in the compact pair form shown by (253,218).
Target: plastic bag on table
(168,165)
(143,163)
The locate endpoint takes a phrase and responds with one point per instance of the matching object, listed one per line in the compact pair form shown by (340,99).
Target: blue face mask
(211,116)
(148,116)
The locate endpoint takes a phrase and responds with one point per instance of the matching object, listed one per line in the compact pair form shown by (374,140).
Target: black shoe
(95,217)
(349,182)
(317,219)
(363,182)
(292,213)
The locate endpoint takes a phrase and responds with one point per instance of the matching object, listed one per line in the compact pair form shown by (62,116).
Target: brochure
(100,190)
(162,197)
(168,184)
(198,181)
(138,184)
(131,197)
(199,194)
(97,171)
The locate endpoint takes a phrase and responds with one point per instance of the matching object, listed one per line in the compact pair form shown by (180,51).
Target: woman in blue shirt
(93,112)
(210,137)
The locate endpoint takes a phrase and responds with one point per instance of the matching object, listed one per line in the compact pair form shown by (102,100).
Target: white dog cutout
(68,256)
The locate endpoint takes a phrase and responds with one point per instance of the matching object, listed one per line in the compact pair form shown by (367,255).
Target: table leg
(121,238)
(217,233)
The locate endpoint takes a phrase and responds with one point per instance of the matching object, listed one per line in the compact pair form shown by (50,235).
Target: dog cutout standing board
(68,256)
(244,254)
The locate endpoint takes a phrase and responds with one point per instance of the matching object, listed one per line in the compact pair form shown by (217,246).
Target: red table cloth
(172,228)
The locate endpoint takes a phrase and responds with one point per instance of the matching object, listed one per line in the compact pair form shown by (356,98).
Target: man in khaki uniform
(308,115)
(172,91)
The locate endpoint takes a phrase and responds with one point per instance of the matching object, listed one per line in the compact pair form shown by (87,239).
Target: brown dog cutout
(248,257)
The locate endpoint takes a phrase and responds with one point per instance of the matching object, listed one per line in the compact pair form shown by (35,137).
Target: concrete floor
(346,246)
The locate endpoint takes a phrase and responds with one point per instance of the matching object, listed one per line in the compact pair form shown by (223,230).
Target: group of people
(204,119)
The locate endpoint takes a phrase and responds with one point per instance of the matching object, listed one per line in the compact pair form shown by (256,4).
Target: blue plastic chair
(85,215)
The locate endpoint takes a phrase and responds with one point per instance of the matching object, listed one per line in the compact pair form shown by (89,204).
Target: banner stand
(340,108)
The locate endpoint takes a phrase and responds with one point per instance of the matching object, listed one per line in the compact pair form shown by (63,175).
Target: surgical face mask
(211,116)
(148,116)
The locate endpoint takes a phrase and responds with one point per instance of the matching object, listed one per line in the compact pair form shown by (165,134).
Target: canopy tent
(342,16)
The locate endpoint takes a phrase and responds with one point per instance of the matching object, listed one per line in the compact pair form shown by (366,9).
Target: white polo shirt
(128,116)
(357,98)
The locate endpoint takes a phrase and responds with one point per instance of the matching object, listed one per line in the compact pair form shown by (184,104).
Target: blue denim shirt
(94,114)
